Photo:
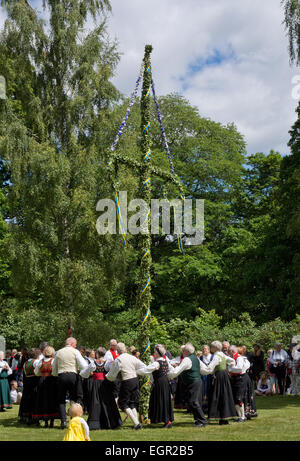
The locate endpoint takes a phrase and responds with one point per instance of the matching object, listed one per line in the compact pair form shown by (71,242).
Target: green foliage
(291,21)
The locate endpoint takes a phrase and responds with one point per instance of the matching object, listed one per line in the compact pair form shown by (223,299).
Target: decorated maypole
(144,288)
(145,170)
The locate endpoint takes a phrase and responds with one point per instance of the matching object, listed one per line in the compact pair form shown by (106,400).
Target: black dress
(46,407)
(249,398)
(29,395)
(102,408)
(160,405)
(220,399)
(87,385)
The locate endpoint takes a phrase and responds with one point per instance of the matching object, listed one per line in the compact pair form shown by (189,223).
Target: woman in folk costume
(46,407)
(30,387)
(87,384)
(249,396)
(180,394)
(238,383)
(206,357)
(220,400)
(102,408)
(78,430)
(5,371)
(160,405)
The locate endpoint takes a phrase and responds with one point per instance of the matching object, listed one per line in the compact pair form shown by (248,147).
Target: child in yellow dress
(78,430)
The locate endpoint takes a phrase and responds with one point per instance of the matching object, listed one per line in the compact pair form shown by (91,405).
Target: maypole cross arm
(145,171)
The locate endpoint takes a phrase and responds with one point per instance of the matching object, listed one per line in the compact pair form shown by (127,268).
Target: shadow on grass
(276,402)
(14,422)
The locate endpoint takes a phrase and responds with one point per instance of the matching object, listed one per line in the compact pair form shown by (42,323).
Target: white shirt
(125,363)
(37,369)
(246,365)
(216,361)
(109,360)
(205,358)
(3,363)
(175,360)
(153,366)
(296,353)
(238,365)
(259,388)
(85,427)
(14,395)
(281,356)
(186,364)
(81,363)
(86,372)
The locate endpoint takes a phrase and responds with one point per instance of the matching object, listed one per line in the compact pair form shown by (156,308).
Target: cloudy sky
(227,57)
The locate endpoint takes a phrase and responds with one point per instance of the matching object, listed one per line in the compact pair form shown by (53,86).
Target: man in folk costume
(225,347)
(190,370)
(128,366)
(238,384)
(65,365)
(110,357)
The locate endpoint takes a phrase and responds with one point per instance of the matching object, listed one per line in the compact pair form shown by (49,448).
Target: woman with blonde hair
(46,408)
(263,385)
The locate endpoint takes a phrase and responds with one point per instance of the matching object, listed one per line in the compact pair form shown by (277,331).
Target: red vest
(115,354)
(235,358)
(164,357)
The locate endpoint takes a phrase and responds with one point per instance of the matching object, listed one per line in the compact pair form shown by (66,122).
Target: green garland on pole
(144,244)
(145,170)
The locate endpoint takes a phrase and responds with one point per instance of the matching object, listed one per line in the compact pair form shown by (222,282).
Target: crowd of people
(219,383)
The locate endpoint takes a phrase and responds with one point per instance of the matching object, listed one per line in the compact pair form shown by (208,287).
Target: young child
(78,430)
(15,394)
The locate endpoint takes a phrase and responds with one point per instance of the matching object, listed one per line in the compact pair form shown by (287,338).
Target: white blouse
(37,369)
(3,364)
(230,362)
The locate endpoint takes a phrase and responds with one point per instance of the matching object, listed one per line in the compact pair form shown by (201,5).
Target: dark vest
(193,374)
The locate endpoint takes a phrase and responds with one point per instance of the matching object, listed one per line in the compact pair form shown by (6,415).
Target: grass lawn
(278,420)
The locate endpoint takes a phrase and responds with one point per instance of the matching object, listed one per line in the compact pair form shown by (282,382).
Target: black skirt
(180,395)
(102,407)
(47,399)
(249,398)
(87,385)
(29,396)
(160,405)
(220,401)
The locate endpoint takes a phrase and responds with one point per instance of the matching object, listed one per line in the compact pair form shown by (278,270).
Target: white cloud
(253,89)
